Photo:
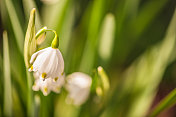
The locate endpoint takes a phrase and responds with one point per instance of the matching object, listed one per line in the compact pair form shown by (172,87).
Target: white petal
(78,84)
(41,62)
(36,54)
(61,62)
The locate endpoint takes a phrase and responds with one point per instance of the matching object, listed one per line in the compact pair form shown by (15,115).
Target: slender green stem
(55,42)
(30,102)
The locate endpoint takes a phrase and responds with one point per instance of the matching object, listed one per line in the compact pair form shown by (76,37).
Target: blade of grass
(19,35)
(7,78)
(1,67)
(54,14)
(65,35)
(136,92)
(17,107)
(88,56)
(28,5)
(107,37)
(53,17)
(37,105)
(166,103)
(138,25)
(150,70)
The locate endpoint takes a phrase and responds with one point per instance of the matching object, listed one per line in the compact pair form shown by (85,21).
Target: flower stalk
(55,42)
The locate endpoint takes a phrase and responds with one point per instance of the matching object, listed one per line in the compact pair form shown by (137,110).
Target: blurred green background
(133,40)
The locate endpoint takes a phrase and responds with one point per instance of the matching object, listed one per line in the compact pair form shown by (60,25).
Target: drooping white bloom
(48,63)
(78,87)
(48,85)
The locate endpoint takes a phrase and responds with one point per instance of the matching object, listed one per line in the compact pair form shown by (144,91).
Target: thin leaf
(19,35)
(148,71)
(107,37)
(28,5)
(7,77)
(17,106)
(166,103)
(1,67)
(88,57)
(136,92)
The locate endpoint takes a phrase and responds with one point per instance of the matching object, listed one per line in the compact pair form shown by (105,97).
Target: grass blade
(107,37)
(150,69)
(1,67)
(97,12)
(28,5)
(19,35)
(167,102)
(7,78)
(136,92)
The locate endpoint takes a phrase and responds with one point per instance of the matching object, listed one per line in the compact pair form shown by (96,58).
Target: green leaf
(107,37)
(28,5)
(1,62)
(88,56)
(7,77)
(17,106)
(30,45)
(19,35)
(146,73)
(138,88)
(167,102)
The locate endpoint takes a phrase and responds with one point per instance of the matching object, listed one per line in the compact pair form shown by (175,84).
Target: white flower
(78,87)
(48,63)
(48,85)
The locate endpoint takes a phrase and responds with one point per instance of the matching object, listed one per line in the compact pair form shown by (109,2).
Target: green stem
(30,100)
(55,42)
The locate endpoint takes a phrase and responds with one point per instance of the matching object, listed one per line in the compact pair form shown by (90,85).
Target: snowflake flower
(78,86)
(48,85)
(48,63)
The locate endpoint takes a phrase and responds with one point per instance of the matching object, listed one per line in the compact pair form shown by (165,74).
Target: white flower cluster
(48,68)
(48,85)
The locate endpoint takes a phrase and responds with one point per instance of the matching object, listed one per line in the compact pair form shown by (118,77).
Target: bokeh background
(133,40)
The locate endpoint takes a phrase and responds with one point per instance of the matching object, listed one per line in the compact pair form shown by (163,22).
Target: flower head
(48,85)
(48,63)
(78,86)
